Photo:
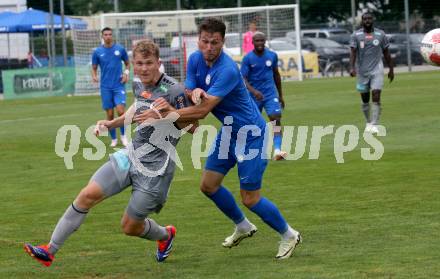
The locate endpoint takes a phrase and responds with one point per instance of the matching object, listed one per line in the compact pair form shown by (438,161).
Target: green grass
(360,219)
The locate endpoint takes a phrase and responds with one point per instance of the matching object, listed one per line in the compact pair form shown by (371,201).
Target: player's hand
(124,78)
(391,76)
(95,79)
(162,105)
(282,102)
(148,115)
(101,126)
(197,95)
(353,72)
(258,95)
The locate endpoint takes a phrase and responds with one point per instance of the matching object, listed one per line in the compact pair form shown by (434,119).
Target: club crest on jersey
(117,52)
(376,42)
(180,101)
(208,79)
(146,94)
(268,63)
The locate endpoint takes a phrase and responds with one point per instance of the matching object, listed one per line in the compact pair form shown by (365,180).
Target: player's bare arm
(352,62)
(95,73)
(277,79)
(115,123)
(126,74)
(389,60)
(192,113)
(258,95)
(161,109)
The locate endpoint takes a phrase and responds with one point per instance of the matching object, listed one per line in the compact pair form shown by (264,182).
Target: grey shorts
(370,81)
(148,194)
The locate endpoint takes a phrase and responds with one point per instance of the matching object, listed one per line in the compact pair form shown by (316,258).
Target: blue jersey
(109,60)
(224,80)
(258,70)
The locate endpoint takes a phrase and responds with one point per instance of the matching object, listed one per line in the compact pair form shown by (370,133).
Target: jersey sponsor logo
(268,63)
(117,52)
(376,42)
(208,79)
(146,94)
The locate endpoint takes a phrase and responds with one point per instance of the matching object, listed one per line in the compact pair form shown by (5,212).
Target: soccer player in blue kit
(262,78)
(216,85)
(108,57)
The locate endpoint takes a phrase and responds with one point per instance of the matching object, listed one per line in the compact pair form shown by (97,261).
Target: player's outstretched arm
(115,123)
(187,114)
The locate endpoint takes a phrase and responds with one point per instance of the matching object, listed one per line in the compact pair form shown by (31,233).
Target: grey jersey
(153,144)
(369,48)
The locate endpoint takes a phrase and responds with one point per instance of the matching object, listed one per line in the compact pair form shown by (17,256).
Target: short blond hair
(146,48)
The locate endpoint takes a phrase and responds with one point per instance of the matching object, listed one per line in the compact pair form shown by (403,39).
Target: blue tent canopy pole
(63,32)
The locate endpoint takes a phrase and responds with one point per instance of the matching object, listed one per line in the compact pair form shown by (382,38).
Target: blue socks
(113,133)
(122,130)
(225,201)
(270,214)
(277,138)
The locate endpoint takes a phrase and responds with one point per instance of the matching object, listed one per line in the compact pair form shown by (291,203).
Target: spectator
(248,46)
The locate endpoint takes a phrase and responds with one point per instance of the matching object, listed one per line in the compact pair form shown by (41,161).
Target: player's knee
(207,189)
(88,197)
(250,200)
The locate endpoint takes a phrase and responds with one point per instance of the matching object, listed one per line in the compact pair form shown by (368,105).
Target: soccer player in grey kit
(149,189)
(368,46)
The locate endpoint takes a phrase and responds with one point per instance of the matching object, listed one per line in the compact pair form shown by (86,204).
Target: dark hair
(106,29)
(146,48)
(212,25)
(367,13)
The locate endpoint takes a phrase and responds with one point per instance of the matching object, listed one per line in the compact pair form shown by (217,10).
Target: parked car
(398,41)
(283,47)
(329,53)
(319,33)
(343,39)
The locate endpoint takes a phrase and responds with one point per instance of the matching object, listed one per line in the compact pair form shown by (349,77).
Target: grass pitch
(360,219)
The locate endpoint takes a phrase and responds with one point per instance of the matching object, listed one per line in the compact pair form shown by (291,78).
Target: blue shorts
(270,103)
(250,171)
(112,97)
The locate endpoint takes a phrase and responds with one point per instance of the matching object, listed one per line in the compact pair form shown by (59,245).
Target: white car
(283,47)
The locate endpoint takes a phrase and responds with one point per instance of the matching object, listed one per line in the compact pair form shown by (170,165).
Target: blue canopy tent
(4,24)
(35,20)
(31,21)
